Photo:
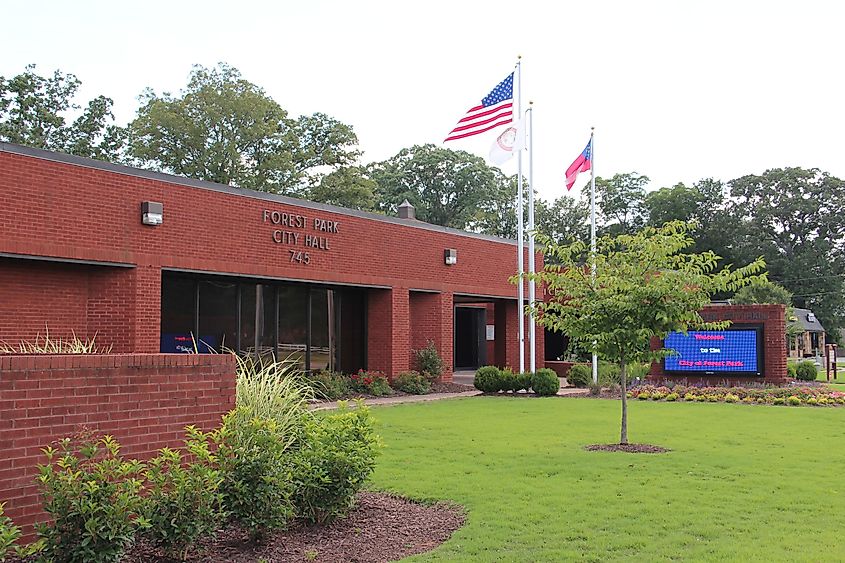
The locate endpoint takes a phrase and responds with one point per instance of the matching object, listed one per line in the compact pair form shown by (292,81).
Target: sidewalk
(566,392)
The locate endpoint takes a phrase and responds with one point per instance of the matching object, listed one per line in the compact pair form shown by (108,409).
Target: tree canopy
(445,186)
(644,287)
(225,129)
(34,111)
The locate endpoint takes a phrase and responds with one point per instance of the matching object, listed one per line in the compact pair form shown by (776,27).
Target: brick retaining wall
(143,400)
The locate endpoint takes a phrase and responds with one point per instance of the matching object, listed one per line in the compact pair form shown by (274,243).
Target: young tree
(644,287)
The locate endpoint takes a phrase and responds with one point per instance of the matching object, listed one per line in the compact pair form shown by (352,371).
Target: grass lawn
(742,482)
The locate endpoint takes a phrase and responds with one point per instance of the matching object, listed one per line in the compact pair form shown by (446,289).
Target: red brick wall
(145,401)
(32,292)
(74,211)
(773,320)
(432,319)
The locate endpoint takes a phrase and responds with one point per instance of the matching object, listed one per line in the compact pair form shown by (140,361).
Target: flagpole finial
(518,57)
(531,102)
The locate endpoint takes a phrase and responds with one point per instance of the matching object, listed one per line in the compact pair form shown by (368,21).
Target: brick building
(265,274)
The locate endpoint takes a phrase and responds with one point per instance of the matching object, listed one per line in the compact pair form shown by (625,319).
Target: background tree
(34,111)
(225,129)
(496,213)
(794,218)
(704,204)
(619,202)
(445,186)
(565,220)
(763,292)
(349,186)
(645,287)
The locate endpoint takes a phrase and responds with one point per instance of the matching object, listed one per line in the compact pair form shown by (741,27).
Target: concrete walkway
(566,392)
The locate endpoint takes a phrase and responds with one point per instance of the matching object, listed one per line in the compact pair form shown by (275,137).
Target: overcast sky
(677,90)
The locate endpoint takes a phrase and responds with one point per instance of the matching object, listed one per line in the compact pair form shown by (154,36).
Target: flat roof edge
(244,192)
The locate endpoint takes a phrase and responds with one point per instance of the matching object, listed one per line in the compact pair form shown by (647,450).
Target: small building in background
(809,334)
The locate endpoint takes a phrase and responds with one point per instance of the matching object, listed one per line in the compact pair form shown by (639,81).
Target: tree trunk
(623,437)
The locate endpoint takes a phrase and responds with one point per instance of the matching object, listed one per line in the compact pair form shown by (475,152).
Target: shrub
(595,389)
(329,385)
(790,370)
(9,535)
(428,361)
(412,382)
(370,382)
(255,482)
(579,375)
(806,371)
(689,397)
(644,396)
(273,390)
(812,401)
(672,397)
(523,381)
(487,379)
(508,381)
(333,463)
(92,495)
(545,382)
(731,398)
(183,501)
(781,400)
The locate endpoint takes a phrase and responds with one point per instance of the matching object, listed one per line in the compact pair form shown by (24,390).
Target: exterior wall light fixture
(450,256)
(152,213)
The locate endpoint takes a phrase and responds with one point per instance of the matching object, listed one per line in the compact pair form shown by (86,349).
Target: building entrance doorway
(470,341)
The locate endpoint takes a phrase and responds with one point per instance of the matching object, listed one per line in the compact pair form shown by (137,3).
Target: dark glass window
(178,301)
(322,330)
(293,323)
(352,332)
(218,315)
(258,320)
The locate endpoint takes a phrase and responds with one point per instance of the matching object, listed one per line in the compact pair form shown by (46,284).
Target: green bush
(329,385)
(672,397)
(9,534)
(611,374)
(523,381)
(806,371)
(255,484)
(412,382)
(370,382)
(790,370)
(428,361)
(545,382)
(792,400)
(92,495)
(183,502)
(644,396)
(508,381)
(487,379)
(580,375)
(333,463)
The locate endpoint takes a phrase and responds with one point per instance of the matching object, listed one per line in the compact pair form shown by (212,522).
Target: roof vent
(406,210)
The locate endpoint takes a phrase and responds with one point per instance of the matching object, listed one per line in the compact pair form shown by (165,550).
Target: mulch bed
(381,527)
(437,387)
(629,448)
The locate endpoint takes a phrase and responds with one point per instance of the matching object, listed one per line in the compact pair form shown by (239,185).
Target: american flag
(496,109)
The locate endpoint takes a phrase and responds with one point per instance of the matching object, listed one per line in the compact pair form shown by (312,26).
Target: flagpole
(520,233)
(593,233)
(532,349)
